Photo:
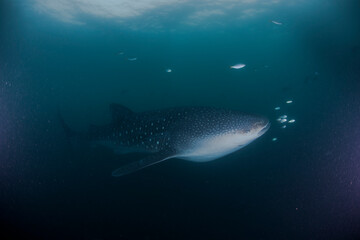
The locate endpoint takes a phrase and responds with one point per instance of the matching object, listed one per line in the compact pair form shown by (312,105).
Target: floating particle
(274,139)
(289,101)
(132,59)
(168,70)
(292,121)
(238,66)
(277,108)
(277,23)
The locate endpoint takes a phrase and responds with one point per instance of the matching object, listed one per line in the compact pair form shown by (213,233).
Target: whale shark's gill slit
(143,163)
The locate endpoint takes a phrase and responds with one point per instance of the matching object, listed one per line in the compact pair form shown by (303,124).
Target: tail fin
(68,131)
(74,139)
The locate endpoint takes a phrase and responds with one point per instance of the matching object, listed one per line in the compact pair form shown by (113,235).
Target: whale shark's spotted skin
(192,133)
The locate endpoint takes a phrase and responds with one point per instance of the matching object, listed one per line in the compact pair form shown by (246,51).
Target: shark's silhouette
(197,134)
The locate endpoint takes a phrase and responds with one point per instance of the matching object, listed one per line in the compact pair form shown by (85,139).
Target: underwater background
(298,182)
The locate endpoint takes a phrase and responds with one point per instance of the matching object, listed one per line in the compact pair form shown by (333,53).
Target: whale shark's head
(223,133)
(255,125)
(244,130)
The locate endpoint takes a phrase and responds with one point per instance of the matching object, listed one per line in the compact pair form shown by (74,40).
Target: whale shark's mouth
(265,128)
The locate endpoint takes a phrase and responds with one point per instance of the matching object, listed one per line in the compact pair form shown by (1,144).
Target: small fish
(132,59)
(292,121)
(168,70)
(120,53)
(283,116)
(277,108)
(289,101)
(283,126)
(238,66)
(277,23)
(283,120)
(274,139)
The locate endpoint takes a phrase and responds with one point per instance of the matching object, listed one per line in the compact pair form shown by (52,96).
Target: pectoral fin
(143,163)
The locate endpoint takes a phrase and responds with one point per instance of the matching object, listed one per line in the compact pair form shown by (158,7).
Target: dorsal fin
(119,112)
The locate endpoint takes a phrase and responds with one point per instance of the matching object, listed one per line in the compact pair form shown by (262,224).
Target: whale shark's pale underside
(197,134)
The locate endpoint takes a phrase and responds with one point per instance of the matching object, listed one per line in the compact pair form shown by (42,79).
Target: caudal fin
(68,131)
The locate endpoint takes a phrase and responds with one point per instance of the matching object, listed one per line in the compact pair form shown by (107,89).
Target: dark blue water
(75,57)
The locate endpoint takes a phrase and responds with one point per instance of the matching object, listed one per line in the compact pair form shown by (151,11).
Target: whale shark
(197,134)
